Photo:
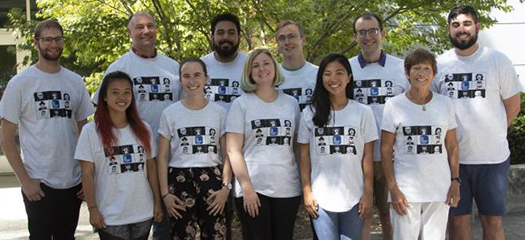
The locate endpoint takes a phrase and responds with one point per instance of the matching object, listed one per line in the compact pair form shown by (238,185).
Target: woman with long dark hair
(119,173)
(336,137)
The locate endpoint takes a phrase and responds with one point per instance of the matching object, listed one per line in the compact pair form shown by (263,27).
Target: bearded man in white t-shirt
(226,62)
(485,91)
(299,75)
(49,105)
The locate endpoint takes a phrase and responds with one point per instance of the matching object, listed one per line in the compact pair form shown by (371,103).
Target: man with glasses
(155,82)
(299,75)
(377,77)
(485,91)
(49,105)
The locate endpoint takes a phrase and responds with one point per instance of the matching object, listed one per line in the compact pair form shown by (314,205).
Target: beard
(225,51)
(48,56)
(463,45)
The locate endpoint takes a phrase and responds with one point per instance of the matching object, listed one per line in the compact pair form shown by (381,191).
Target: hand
(365,205)
(80,194)
(173,203)
(217,200)
(32,190)
(399,202)
(96,219)
(251,202)
(453,195)
(157,213)
(310,203)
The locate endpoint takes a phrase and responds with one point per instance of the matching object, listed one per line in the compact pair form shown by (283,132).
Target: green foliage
(516,136)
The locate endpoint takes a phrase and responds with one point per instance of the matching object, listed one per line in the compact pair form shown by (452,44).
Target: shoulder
(168,60)
(22,77)
(72,75)
(208,58)
(215,107)
(89,128)
(287,99)
(312,67)
(446,56)
(174,107)
(120,63)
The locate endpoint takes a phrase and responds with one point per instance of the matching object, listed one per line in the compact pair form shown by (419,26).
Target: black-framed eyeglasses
(49,40)
(370,32)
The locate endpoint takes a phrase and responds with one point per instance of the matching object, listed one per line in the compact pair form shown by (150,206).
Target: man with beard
(299,75)
(225,63)
(153,75)
(49,175)
(482,124)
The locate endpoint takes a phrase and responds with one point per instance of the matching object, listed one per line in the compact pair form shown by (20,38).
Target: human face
(421,76)
(143,31)
(289,41)
(50,50)
(119,96)
(335,79)
(263,70)
(369,43)
(463,31)
(225,39)
(193,78)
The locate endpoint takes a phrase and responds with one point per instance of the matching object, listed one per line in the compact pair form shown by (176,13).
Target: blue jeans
(338,225)
(161,230)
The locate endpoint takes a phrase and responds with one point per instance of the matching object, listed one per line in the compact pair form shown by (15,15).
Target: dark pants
(275,221)
(55,216)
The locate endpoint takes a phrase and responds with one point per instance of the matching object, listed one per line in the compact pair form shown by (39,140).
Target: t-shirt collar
(143,55)
(363,62)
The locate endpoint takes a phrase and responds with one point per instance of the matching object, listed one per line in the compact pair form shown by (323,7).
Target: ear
(478,26)
(128,32)
(383,34)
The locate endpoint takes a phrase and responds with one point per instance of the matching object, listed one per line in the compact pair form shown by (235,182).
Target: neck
(266,93)
(195,101)
(419,96)
(48,66)
(339,102)
(293,62)
(225,59)
(119,119)
(371,57)
(467,52)
(148,51)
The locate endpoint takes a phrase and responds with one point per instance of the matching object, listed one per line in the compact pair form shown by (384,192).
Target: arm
(154,184)
(305,168)
(80,125)
(365,203)
(512,108)
(451,143)
(399,201)
(234,142)
(171,201)
(30,187)
(218,198)
(88,173)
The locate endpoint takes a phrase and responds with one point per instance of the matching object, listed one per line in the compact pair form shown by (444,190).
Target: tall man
(155,82)
(377,77)
(49,104)
(226,62)
(485,91)
(299,75)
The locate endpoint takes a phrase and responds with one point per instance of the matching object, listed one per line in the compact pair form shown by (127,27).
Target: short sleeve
(507,78)
(388,118)
(297,116)
(85,108)
(304,129)
(164,128)
(368,126)
(222,121)
(451,115)
(153,144)
(236,117)
(84,149)
(11,103)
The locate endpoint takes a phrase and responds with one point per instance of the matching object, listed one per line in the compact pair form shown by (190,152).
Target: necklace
(425,101)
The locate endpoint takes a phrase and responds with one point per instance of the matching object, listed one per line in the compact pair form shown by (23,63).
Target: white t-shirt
(336,154)
(155,84)
(46,108)
(375,84)
(477,85)
(122,190)
(225,79)
(300,83)
(421,165)
(268,130)
(194,134)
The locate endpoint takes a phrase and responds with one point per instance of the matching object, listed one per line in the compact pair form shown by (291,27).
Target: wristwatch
(227,185)
(456,179)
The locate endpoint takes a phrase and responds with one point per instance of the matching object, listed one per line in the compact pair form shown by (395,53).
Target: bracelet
(163,196)
(92,207)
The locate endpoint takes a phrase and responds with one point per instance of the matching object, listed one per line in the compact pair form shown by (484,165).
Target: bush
(516,137)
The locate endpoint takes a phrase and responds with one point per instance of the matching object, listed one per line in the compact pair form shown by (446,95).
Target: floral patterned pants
(193,186)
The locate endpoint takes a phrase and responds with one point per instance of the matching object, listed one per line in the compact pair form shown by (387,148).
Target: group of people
(420,137)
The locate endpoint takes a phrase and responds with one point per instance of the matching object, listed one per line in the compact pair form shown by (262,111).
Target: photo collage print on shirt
(335,140)
(197,140)
(125,158)
(373,91)
(303,96)
(465,85)
(423,139)
(152,89)
(53,104)
(222,90)
(272,132)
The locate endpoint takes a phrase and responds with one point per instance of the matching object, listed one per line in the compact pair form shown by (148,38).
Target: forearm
(368,168)
(162,165)
(388,167)
(240,169)
(512,108)
(305,167)
(153,179)
(88,185)
(13,155)
(227,173)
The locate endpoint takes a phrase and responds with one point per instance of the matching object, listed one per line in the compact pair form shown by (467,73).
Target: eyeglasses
(49,40)
(290,37)
(371,32)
